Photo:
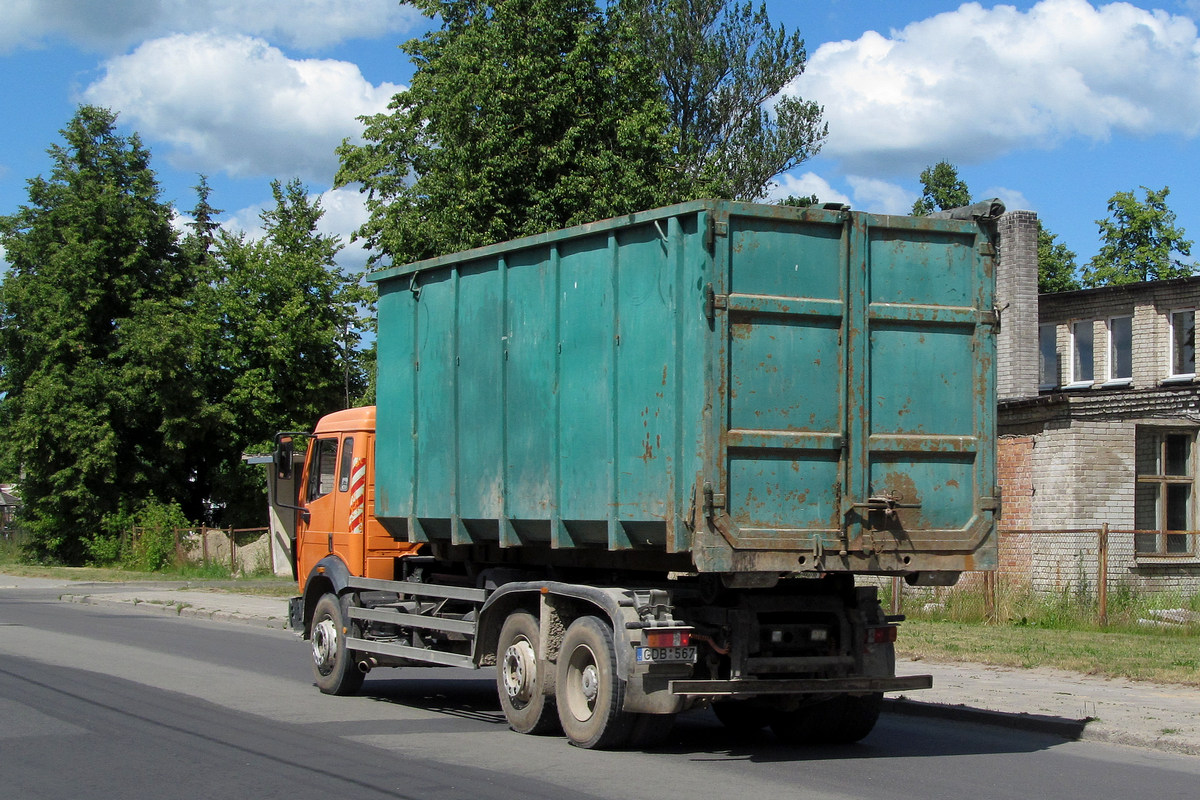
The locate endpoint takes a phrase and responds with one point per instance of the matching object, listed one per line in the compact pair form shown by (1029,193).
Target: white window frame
(1048,373)
(1114,379)
(1172,375)
(1078,382)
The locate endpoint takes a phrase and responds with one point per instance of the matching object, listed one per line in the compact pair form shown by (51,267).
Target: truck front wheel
(590,692)
(519,679)
(333,665)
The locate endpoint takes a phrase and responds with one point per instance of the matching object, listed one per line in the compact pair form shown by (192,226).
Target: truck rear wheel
(333,665)
(590,692)
(519,680)
(844,719)
(742,717)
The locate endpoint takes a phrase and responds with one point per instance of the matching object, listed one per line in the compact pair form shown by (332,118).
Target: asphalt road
(102,702)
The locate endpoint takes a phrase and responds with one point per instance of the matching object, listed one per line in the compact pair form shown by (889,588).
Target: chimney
(1017,299)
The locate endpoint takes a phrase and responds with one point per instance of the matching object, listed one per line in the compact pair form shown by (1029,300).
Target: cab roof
(351,419)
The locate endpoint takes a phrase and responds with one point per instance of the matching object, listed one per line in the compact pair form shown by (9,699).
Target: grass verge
(187,577)
(1160,656)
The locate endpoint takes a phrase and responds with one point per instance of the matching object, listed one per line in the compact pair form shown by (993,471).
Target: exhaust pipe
(367,664)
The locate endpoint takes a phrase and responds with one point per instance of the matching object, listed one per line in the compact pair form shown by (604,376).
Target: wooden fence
(222,545)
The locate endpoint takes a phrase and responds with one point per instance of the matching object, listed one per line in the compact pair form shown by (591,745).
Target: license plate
(661,655)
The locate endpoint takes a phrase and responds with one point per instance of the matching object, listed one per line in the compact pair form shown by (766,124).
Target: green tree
(523,116)
(800,202)
(1140,242)
(289,327)
(98,390)
(1056,264)
(942,189)
(722,66)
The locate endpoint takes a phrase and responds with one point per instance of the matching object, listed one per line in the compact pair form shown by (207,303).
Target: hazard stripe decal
(358,497)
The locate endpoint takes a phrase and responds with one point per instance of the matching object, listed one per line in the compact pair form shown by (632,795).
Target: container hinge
(712,500)
(989,504)
(713,301)
(714,230)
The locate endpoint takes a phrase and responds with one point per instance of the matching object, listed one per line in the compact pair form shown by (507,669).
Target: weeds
(1129,610)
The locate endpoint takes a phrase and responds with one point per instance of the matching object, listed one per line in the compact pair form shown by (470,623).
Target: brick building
(1098,418)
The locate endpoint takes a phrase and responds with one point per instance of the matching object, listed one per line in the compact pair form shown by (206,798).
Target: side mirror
(284,449)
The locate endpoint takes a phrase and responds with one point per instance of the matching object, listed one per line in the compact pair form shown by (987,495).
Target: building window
(1047,356)
(1183,344)
(1163,499)
(1082,353)
(1120,349)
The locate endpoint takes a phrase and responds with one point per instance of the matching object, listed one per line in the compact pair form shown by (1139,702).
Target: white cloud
(975,83)
(114,25)
(880,197)
(234,104)
(804,185)
(1013,199)
(344,213)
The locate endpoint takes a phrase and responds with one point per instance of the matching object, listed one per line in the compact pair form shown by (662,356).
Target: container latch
(887,502)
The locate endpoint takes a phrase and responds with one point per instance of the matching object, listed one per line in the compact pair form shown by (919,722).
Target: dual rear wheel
(588,692)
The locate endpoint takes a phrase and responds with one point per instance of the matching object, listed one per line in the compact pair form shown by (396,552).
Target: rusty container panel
(714,386)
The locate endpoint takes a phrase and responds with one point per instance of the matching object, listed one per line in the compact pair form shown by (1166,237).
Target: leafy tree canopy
(1056,264)
(800,201)
(287,325)
(942,190)
(98,387)
(136,368)
(722,66)
(1140,242)
(523,116)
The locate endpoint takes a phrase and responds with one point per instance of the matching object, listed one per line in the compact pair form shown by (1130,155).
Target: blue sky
(1052,105)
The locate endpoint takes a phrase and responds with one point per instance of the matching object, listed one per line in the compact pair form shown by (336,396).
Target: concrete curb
(179,609)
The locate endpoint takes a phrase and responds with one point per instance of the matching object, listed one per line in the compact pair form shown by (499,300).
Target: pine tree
(96,380)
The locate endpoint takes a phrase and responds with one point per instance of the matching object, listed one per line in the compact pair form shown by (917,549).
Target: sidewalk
(1067,704)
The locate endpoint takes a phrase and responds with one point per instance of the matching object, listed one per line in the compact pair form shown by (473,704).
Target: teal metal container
(712,387)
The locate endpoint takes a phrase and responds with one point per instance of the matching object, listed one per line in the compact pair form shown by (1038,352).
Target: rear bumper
(753,688)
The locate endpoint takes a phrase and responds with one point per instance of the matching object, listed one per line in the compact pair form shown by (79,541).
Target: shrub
(153,542)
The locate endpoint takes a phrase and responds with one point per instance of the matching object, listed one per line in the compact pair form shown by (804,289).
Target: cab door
(315,538)
(349,501)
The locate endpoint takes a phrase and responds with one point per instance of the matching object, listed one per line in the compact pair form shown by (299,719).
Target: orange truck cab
(337,502)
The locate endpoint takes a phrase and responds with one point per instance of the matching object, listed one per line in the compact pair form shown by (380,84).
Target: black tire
(333,665)
(590,693)
(519,682)
(742,717)
(844,719)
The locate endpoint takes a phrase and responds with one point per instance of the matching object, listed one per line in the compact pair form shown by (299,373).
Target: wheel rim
(583,683)
(519,672)
(324,645)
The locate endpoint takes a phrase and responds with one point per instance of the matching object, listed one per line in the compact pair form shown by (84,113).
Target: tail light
(668,638)
(882,634)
